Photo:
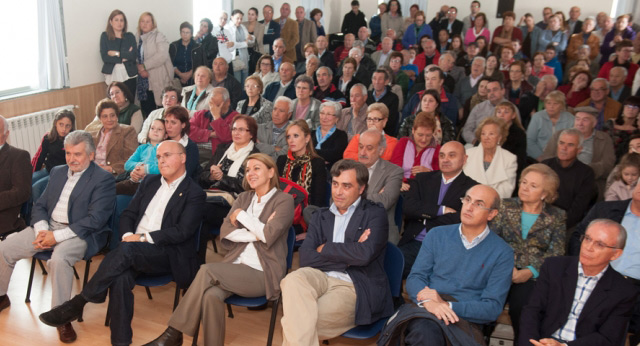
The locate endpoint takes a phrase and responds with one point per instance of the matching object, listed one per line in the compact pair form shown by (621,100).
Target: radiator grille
(27,130)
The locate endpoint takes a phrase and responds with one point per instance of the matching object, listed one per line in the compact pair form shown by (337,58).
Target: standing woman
(302,165)
(416,31)
(553,35)
(392,19)
(620,31)
(255,28)
(316,16)
(239,41)
(51,152)
(186,55)
(118,51)
(155,70)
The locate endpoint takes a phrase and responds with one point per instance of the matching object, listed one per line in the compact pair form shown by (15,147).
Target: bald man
(461,276)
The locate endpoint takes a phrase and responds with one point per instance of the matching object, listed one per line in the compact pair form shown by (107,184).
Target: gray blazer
(464,91)
(265,138)
(375,56)
(313,113)
(386,176)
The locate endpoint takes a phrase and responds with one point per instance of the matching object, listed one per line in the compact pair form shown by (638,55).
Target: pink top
(544,71)
(471,36)
(101,149)
(301,110)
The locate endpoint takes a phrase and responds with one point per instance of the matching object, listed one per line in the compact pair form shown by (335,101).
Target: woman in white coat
(239,40)
(155,70)
(488,163)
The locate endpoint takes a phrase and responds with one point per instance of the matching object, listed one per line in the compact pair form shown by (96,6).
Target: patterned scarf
(304,162)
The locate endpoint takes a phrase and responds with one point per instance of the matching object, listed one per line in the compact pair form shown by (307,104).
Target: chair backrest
(291,240)
(393,266)
(122,202)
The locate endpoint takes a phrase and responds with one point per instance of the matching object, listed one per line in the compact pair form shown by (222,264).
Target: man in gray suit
(307,32)
(381,57)
(385,178)
(272,139)
(69,218)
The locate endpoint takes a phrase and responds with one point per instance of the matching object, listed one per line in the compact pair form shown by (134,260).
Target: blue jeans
(39,182)
(241,75)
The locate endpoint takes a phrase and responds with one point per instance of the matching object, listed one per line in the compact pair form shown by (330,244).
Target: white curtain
(53,70)
(309,5)
(406,4)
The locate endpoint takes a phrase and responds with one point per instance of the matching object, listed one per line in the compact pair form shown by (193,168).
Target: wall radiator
(27,130)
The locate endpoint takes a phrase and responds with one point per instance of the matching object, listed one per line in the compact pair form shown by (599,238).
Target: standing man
(326,57)
(159,232)
(451,24)
(288,31)
(306,31)
(354,20)
(574,23)
(547,12)
(271,29)
(222,78)
(341,282)
(15,185)
(69,218)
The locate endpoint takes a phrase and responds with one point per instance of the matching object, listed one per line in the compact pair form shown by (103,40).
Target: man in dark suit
(581,300)
(451,24)
(159,231)
(433,200)
(284,87)
(15,185)
(271,28)
(326,56)
(70,217)
(353,20)
(341,264)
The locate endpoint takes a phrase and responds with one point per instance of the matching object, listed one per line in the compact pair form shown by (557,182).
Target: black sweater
(50,154)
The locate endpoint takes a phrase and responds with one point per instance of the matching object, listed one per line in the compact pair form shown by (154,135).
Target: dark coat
(198,56)
(229,184)
(364,262)
(332,149)
(390,99)
(272,89)
(15,187)
(605,315)
(128,50)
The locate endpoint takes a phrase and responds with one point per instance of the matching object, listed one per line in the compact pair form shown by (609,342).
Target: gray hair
(281,40)
(383,139)
(5,124)
(449,53)
(287,100)
(552,78)
(600,80)
(589,18)
(80,136)
(313,57)
(621,240)
(573,132)
(337,107)
(481,58)
(355,50)
(325,68)
(304,79)
(585,46)
(358,44)
(223,91)
(624,70)
(363,89)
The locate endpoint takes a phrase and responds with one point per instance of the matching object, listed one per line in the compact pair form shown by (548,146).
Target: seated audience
(325,90)
(478,97)
(381,57)
(69,219)
(577,182)
(114,142)
(424,209)
(546,122)
(130,113)
(347,80)
(170,97)
(326,57)
(624,126)
(143,161)
(377,117)
(430,104)
(50,153)
(577,90)
(516,142)
(419,152)
(624,49)
(196,97)
(597,148)
(427,54)
(272,139)
(158,237)
(492,69)
(279,57)
(306,107)
(342,52)
(398,77)
(539,69)
(516,87)
(210,128)
(620,31)
(364,36)
(599,310)
(535,102)
(468,85)
(434,80)
(535,230)
(177,127)
(551,60)
(341,282)
(625,179)
(382,93)
(495,96)
(586,37)
(311,66)
(283,87)
(466,57)
(265,69)
(461,277)
(254,233)
(618,91)
(255,105)
(329,141)
(353,120)
(302,165)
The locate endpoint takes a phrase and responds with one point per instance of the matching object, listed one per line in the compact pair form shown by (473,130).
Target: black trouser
(117,273)
(410,251)
(518,297)
(149,105)
(423,331)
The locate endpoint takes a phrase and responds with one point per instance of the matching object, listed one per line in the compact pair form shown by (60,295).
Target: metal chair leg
(148,292)
(272,324)
(84,282)
(195,336)
(33,270)
(44,271)
(230,311)
(75,273)
(176,299)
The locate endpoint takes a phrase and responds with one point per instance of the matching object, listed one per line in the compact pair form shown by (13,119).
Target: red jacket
(421,60)
(202,125)
(631,71)
(397,157)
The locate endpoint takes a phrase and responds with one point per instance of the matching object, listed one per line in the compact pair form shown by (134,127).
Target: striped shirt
(586,285)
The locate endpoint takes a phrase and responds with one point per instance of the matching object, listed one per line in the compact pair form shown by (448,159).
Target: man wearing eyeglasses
(159,231)
(599,99)
(582,300)
(460,278)
(451,24)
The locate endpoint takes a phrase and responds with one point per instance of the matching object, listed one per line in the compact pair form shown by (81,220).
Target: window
(209,9)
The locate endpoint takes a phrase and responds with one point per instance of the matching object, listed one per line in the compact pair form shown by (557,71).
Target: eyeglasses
(598,245)
(631,106)
(374,120)
(239,129)
(165,156)
(169,97)
(252,86)
(475,204)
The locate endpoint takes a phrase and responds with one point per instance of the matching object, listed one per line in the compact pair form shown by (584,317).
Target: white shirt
(372,168)
(475,81)
(253,231)
(477,240)
(60,213)
(152,219)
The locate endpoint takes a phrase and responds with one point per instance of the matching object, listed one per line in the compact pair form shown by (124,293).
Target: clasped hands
(363,237)
(44,240)
(437,306)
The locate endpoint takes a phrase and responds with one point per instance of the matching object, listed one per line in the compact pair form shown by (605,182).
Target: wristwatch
(143,238)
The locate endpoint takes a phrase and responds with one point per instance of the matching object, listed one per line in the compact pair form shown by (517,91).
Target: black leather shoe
(67,334)
(61,315)
(170,337)
(4,302)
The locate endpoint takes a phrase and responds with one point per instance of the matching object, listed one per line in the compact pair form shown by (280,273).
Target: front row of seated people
(341,261)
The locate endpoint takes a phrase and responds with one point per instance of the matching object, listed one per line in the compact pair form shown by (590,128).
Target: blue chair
(260,301)
(393,266)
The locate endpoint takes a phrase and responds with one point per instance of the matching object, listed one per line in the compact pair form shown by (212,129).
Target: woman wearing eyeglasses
(329,141)
(255,105)
(535,230)
(377,116)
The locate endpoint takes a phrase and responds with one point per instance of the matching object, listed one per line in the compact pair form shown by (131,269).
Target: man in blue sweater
(462,273)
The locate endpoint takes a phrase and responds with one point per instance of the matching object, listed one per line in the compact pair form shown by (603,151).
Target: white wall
(86,20)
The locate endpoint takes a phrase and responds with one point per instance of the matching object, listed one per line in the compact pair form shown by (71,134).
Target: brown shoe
(4,302)
(67,334)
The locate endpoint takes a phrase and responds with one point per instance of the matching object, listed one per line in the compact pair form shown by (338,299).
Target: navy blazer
(90,206)
(272,89)
(420,208)
(180,223)
(364,262)
(605,315)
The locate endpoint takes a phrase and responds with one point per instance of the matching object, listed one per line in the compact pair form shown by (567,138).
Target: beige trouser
(315,307)
(204,300)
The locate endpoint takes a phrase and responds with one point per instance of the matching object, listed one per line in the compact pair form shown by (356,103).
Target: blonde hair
(501,124)
(267,161)
(512,107)
(557,96)
(153,21)
(380,107)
